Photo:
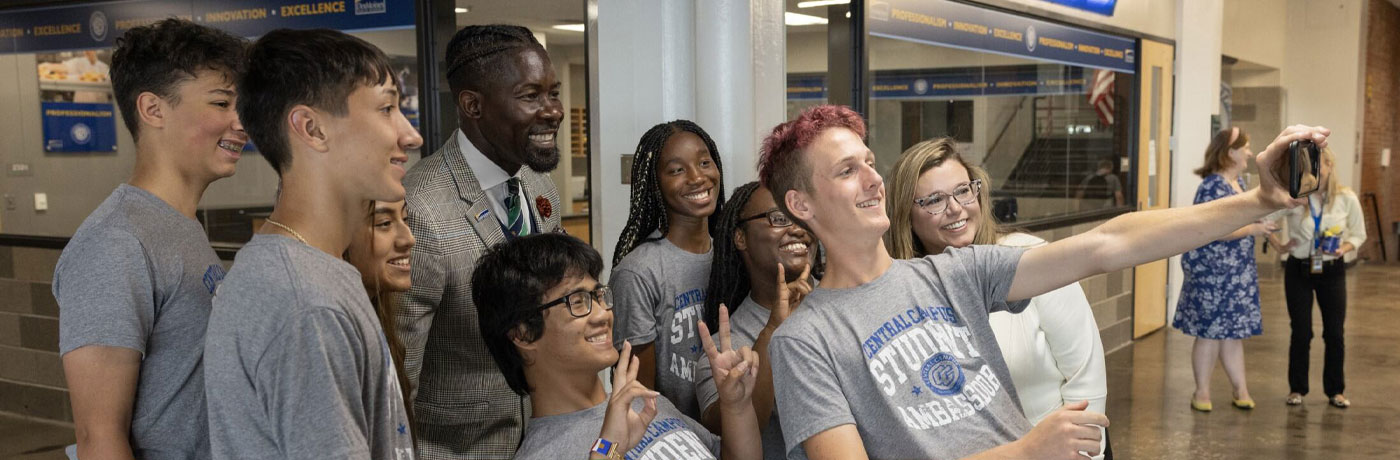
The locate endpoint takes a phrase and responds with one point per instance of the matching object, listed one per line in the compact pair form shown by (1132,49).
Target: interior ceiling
(538,15)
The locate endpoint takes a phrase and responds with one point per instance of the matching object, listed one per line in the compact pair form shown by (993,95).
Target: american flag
(1101,95)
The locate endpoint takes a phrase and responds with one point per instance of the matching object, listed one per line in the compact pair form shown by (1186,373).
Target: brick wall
(31,374)
(1382,124)
(1110,295)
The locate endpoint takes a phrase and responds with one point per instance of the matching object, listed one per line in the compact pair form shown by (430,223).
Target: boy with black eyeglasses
(548,325)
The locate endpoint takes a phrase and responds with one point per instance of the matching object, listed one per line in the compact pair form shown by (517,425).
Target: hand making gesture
(735,371)
(622,424)
(789,295)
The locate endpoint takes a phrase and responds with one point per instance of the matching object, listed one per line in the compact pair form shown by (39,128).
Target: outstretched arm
(1145,236)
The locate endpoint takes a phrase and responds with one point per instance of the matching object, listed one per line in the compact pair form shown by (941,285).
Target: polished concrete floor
(1150,386)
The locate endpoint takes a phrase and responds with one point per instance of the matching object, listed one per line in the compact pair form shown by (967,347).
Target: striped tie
(514,221)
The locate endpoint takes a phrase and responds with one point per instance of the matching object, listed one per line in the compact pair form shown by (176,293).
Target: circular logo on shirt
(943,375)
(97,26)
(81,133)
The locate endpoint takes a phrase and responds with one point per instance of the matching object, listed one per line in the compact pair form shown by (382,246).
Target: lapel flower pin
(542,204)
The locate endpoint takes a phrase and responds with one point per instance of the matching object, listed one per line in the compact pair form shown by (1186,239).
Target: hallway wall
(1381,129)
(31,373)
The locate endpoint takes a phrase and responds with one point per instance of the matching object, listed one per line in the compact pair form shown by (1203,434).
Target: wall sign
(945,23)
(955,83)
(1104,7)
(71,127)
(98,25)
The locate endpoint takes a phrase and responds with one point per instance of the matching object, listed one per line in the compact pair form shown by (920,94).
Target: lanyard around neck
(1317,220)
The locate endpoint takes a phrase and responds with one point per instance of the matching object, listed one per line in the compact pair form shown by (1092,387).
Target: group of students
(441,313)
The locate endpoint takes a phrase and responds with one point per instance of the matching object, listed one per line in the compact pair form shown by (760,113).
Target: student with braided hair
(757,247)
(487,184)
(662,262)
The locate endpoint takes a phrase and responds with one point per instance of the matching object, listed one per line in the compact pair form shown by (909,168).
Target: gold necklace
(289,230)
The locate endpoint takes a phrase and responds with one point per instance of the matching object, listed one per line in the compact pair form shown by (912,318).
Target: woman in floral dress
(1219,303)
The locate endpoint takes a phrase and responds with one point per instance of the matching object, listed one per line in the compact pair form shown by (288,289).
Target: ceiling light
(816,3)
(570,27)
(461,10)
(796,19)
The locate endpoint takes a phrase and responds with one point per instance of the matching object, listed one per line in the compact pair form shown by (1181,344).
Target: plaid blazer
(463,407)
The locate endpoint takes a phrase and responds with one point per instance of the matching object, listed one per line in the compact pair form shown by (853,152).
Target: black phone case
(1295,173)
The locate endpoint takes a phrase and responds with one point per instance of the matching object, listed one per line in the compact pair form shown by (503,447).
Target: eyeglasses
(581,302)
(937,202)
(776,218)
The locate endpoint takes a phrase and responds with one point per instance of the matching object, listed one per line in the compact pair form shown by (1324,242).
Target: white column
(719,63)
(1322,76)
(645,74)
(724,84)
(1197,94)
(769,76)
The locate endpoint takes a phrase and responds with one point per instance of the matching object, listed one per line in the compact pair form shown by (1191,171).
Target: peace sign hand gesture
(622,424)
(735,371)
(789,294)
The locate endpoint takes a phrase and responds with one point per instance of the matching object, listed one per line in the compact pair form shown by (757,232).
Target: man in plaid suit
(488,183)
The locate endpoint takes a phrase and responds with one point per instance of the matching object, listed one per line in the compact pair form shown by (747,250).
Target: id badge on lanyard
(1316,259)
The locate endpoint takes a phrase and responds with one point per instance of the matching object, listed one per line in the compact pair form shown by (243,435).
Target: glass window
(54,62)
(807,45)
(1054,137)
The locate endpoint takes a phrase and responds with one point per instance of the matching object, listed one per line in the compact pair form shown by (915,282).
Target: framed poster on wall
(75,98)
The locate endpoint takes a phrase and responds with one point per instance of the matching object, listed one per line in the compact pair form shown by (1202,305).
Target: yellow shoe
(1200,406)
(1245,404)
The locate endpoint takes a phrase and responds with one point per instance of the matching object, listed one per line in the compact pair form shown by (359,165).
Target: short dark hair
(508,285)
(474,54)
(156,58)
(317,67)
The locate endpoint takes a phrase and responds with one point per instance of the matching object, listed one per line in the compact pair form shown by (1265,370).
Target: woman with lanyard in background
(1319,236)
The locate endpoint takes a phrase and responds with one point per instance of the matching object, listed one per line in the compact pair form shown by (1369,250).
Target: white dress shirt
(1052,348)
(1343,212)
(493,181)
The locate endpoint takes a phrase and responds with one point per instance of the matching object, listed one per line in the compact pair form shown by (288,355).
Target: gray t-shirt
(297,363)
(909,358)
(671,436)
(659,292)
(138,274)
(745,324)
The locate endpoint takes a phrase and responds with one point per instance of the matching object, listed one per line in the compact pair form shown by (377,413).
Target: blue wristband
(603,447)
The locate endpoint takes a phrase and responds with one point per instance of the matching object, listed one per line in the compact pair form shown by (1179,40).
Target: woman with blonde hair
(939,201)
(1316,267)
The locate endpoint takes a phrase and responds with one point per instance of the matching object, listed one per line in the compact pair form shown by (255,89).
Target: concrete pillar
(1197,94)
(724,84)
(719,63)
(643,56)
(769,79)
(1324,48)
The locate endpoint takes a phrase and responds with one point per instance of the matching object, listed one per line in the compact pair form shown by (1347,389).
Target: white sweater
(1052,348)
(1344,211)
